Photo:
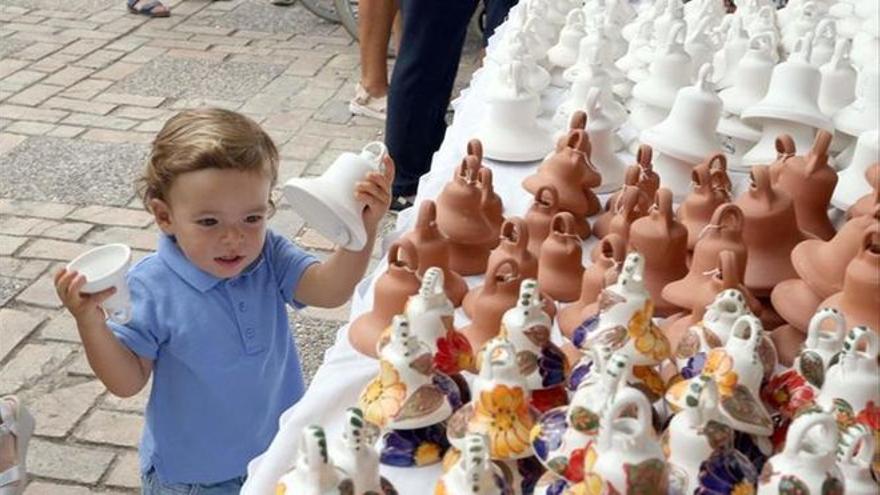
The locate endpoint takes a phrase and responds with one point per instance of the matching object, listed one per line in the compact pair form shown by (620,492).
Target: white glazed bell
(864,112)
(590,72)
(644,116)
(509,130)
(430,311)
(790,106)
(824,39)
(699,44)
(536,10)
(765,23)
(804,24)
(851,182)
(473,473)
(672,15)
(601,131)
(105,267)
(537,79)
(838,88)
(648,12)
(854,380)
(565,53)
(642,39)
(855,457)
(327,202)
(355,454)
(314,472)
(687,135)
(726,59)
(695,11)
(752,76)
(670,71)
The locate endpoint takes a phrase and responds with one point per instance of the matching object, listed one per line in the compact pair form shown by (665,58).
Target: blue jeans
(150,485)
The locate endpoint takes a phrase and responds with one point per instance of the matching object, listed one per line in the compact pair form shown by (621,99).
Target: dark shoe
(153,8)
(400,203)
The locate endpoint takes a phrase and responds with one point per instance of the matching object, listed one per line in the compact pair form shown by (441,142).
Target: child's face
(218,217)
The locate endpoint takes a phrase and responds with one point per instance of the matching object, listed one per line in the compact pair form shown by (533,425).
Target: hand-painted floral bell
(314,472)
(356,456)
(473,473)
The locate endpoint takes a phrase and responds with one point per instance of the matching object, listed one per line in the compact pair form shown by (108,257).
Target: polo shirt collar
(170,253)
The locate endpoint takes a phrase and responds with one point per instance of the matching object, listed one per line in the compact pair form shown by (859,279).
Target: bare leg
(374,31)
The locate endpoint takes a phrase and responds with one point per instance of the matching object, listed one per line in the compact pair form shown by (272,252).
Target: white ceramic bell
(644,116)
(536,10)
(752,76)
(429,311)
(854,380)
(648,12)
(473,473)
(558,10)
(838,88)
(715,327)
(327,202)
(854,458)
(527,326)
(314,472)
(699,44)
(735,46)
(537,79)
(687,135)
(736,139)
(670,71)
(105,267)
(824,39)
(765,23)
(823,343)
(564,54)
(355,454)
(536,38)
(602,145)
(673,14)
(630,59)
(804,24)
(695,11)
(589,72)
(851,182)
(509,130)
(807,462)
(863,113)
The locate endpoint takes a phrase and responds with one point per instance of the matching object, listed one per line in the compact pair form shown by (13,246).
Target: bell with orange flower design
(473,473)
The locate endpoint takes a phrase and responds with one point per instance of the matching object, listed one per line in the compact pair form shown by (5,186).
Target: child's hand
(375,191)
(82,306)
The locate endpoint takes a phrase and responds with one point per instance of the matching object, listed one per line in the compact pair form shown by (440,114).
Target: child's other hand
(375,192)
(83,307)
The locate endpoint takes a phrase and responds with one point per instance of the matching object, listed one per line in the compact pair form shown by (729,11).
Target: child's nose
(233,235)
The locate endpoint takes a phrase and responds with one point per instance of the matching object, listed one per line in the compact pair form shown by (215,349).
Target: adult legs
(433,36)
(375,18)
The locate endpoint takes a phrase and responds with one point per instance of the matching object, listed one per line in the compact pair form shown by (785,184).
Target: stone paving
(83,88)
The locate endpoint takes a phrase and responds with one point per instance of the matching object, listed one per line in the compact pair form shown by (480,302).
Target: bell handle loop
(612,248)
(427,216)
(627,201)
(857,438)
(579,140)
(676,37)
(625,398)
(841,57)
(704,78)
(762,186)
(432,282)
(592,103)
(563,223)
(515,231)
(859,335)
(578,120)
(718,177)
(825,28)
(814,330)
(516,77)
(753,325)
(643,157)
(802,425)
(492,278)
(575,19)
(313,448)
(727,269)
(871,240)
(408,249)
(663,207)
(631,176)
(762,42)
(702,397)
(547,197)
(818,156)
(728,216)
(375,153)
(467,169)
(485,183)
(475,148)
(803,49)
(785,147)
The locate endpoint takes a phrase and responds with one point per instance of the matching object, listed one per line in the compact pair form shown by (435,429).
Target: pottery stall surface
(461,218)
(805,465)
(770,232)
(314,472)
(389,297)
(809,180)
(860,297)
(433,251)
(710,188)
(662,241)
(570,171)
(559,265)
(600,274)
(356,456)
(473,473)
(541,362)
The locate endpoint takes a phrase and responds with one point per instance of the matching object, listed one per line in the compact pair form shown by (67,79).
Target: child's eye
(207,222)
(253,218)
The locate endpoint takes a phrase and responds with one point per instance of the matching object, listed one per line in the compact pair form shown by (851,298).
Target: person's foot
(400,203)
(366,105)
(149,8)
(16,428)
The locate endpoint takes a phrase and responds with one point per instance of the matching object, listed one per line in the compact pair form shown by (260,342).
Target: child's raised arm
(120,370)
(331,283)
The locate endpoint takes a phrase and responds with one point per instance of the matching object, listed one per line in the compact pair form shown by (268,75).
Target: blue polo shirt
(225,365)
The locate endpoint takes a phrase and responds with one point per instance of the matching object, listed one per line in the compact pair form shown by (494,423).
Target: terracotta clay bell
(491,201)
(626,211)
(559,265)
(866,203)
(770,232)
(724,233)
(514,242)
(810,181)
(711,188)
(540,214)
(795,302)
(860,298)
(389,297)
(433,250)
(602,273)
(569,169)
(498,293)
(641,174)
(462,219)
(663,242)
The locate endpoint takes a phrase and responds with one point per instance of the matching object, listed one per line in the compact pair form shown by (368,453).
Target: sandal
(17,422)
(153,8)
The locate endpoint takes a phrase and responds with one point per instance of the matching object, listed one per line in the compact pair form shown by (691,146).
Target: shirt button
(242,307)
(249,333)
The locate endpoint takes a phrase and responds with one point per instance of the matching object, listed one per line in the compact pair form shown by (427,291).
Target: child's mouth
(228,261)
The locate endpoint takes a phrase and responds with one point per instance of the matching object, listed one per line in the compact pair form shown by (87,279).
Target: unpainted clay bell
(626,211)
(770,232)
(810,181)
(822,264)
(389,297)
(795,302)
(514,241)
(663,242)
(602,273)
(570,171)
(433,250)
(711,188)
(866,203)
(498,293)
(540,214)
(462,219)
(559,264)
(491,203)
(860,297)
(642,175)
(723,233)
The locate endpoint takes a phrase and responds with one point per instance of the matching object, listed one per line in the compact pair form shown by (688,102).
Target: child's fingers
(100,297)
(76,285)
(390,169)
(373,196)
(62,283)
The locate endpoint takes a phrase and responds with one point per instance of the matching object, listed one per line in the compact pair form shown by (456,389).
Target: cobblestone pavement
(84,86)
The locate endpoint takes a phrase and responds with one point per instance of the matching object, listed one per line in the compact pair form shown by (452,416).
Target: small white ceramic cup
(105,267)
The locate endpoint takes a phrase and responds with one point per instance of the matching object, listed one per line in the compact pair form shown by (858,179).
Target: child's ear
(162,214)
